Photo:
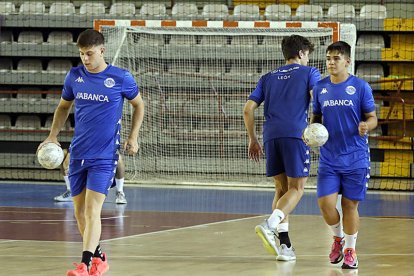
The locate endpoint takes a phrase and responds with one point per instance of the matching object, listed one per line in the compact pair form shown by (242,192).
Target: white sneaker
(286,253)
(268,237)
(120,198)
(64,197)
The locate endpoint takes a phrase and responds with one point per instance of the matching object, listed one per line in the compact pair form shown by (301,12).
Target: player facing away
(345,105)
(118,182)
(285,92)
(97,91)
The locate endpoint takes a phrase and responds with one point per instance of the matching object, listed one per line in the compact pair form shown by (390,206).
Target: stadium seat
(341,11)
(246,12)
(27,93)
(59,66)
(244,40)
(122,9)
(370,71)
(6,37)
(313,12)
(153,10)
(32,7)
(92,8)
(184,11)
(30,37)
(49,120)
(29,65)
(7,8)
(215,11)
(370,41)
(400,10)
(60,37)
(5,122)
(62,8)
(28,122)
(373,12)
(6,65)
(277,12)
(183,40)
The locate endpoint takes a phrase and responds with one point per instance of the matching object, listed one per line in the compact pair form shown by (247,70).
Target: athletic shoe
(120,198)
(81,270)
(337,253)
(268,237)
(350,259)
(98,266)
(64,197)
(286,253)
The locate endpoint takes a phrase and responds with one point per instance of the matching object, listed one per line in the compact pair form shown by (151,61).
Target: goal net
(195,82)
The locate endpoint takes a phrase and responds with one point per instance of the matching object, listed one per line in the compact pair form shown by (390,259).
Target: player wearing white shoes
(97,91)
(286,93)
(119,181)
(345,105)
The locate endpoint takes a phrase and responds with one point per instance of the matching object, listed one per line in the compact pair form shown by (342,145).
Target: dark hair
(291,46)
(90,38)
(341,47)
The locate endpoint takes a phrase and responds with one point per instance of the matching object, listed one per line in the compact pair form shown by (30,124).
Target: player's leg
(281,187)
(66,195)
(100,176)
(354,185)
(274,167)
(119,180)
(328,187)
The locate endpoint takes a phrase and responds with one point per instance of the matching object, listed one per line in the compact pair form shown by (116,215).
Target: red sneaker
(81,270)
(98,266)
(337,254)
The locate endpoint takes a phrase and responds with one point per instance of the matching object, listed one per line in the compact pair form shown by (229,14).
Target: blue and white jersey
(98,106)
(342,107)
(285,93)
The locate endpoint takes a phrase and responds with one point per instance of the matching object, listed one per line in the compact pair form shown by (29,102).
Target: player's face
(304,57)
(92,58)
(336,63)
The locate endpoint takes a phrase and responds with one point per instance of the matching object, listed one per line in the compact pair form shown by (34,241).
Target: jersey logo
(324,91)
(350,90)
(109,82)
(79,79)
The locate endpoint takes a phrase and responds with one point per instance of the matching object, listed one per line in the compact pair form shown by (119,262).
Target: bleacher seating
(62,8)
(7,8)
(60,37)
(341,11)
(277,12)
(59,66)
(370,71)
(400,10)
(6,37)
(26,122)
(215,11)
(29,65)
(313,12)
(184,11)
(371,41)
(27,93)
(153,10)
(122,9)
(32,7)
(92,8)
(30,37)
(373,12)
(5,122)
(49,120)
(6,65)
(246,12)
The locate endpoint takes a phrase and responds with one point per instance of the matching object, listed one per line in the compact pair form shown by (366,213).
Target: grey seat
(32,7)
(62,8)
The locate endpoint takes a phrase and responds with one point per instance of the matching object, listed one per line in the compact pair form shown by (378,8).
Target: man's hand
(363,128)
(131,147)
(255,151)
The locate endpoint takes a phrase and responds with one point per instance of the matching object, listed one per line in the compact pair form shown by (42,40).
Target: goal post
(195,77)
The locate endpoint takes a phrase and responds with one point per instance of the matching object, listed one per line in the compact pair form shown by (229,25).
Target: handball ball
(50,156)
(315,135)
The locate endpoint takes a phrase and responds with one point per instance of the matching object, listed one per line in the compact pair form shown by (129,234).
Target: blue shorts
(352,184)
(287,155)
(94,174)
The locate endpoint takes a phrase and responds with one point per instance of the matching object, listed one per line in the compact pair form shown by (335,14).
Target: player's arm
(255,150)
(371,122)
(59,118)
(131,145)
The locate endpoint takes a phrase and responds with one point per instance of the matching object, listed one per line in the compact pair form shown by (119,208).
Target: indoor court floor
(175,230)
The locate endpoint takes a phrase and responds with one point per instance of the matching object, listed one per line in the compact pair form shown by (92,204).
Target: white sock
(337,229)
(350,240)
(275,218)
(67,182)
(119,184)
(283,227)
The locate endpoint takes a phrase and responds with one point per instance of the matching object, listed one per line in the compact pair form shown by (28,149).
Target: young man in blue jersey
(286,93)
(345,105)
(97,91)
(66,196)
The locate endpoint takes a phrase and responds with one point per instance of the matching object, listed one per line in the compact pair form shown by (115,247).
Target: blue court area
(203,200)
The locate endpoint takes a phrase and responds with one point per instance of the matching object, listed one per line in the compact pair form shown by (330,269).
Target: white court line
(53,220)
